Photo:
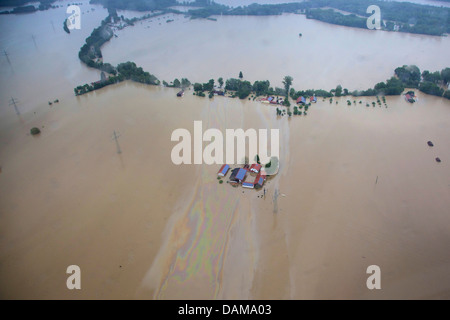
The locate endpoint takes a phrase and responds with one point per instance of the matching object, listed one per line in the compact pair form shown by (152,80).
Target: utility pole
(34,40)
(13,102)
(6,55)
(116,136)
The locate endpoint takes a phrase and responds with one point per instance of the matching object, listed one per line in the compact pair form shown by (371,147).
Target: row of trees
(126,71)
(43,5)
(244,88)
(98,85)
(434,83)
(392,86)
(90,53)
(310,92)
(130,71)
(334,17)
(184,83)
(405,77)
(408,75)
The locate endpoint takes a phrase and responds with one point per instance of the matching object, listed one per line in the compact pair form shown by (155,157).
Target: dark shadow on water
(122,164)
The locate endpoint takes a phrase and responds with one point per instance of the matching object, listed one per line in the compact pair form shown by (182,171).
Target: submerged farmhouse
(223,170)
(244,176)
(238,175)
(301,100)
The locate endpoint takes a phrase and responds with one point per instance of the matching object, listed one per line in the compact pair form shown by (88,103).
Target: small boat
(180,94)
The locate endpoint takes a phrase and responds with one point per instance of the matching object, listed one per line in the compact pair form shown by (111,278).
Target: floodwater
(270,48)
(357,185)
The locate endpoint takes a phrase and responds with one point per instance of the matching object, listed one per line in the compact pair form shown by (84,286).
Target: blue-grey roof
(241,174)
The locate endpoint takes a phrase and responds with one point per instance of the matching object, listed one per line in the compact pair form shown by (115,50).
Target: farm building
(223,170)
(301,100)
(238,175)
(256,167)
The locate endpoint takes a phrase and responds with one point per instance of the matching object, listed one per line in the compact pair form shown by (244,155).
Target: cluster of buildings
(250,177)
(272,100)
(219,92)
(216,92)
(302,100)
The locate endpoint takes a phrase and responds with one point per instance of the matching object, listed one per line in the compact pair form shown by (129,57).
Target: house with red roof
(223,170)
(259,181)
(248,184)
(256,167)
(301,100)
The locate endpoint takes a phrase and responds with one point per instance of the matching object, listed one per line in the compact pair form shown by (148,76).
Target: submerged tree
(34,131)
(287,82)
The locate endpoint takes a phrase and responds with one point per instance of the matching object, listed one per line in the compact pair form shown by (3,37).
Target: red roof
(224,169)
(256,167)
(260,179)
(301,99)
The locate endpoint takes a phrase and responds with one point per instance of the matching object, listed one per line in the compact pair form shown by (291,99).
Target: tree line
(434,83)
(20,8)
(90,53)
(401,16)
(125,71)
